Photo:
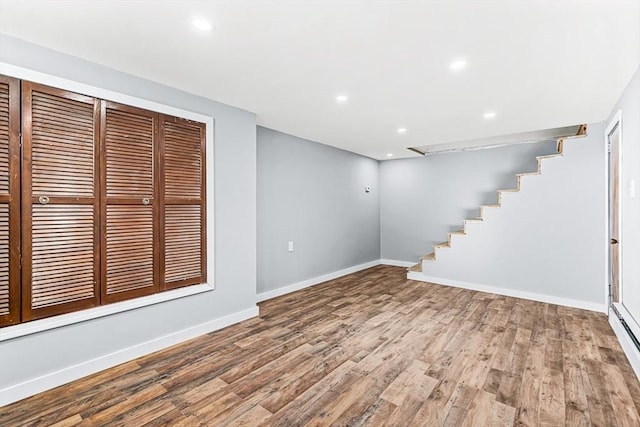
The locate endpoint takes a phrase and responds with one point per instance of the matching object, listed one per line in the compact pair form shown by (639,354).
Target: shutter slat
(129,148)
(183,159)
(183,252)
(62,128)
(4,259)
(67,274)
(4,147)
(129,266)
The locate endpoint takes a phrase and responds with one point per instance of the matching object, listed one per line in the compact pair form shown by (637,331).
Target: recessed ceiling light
(389,154)
(458,65)
(202,24)
(342,98)
(402,130)
(489,115)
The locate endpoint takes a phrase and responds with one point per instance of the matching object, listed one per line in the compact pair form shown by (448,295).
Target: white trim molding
(397,263)
(33,386)
(629,348)
(27,328)
(314,281)
(585,305)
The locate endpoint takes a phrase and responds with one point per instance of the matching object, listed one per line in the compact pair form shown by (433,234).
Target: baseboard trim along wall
(46,382)
(315,281)
(585,305)
(396,263)
(629,348)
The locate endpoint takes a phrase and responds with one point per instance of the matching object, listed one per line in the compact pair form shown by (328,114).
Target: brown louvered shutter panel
(9,201)
(59,201)
(129,205)
(183,186)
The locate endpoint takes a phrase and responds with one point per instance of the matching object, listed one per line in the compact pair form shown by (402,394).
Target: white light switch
(290,246)
(632,189)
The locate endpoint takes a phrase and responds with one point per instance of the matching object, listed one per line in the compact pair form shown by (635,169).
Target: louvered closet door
(59,201)
(129,206)
(9,201)
(183,181)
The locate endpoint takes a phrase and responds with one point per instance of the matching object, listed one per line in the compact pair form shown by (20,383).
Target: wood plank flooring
(371,348)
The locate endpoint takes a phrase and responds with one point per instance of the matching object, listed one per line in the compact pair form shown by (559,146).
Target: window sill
(10,332)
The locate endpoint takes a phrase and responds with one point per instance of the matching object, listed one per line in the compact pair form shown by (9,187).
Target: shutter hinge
(608,147)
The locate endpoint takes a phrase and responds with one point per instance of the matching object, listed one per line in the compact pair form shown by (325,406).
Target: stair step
(490,206)
(527,174)
(478,219)
(549,156)
(429,257)
(509,190)
(417,267)
(457,232)
(442,245)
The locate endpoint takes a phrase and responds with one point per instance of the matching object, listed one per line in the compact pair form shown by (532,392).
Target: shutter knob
(43,200)
(145,201)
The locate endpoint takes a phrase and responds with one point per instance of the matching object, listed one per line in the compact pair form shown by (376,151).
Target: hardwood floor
(371,348)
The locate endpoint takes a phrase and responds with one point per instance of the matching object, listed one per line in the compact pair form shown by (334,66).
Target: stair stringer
(534,242)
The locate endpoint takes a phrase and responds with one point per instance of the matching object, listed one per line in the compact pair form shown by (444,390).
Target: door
(60,240)
(9,201)
(613,141)
(129,202)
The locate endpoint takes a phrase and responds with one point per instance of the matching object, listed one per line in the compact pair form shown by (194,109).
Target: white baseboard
(585,305)
(397,263)
(315,280)
(628,346)
(37,385)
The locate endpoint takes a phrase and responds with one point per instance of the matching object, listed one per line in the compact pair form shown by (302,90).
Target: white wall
(629,104)
(548,240)
(44,354)
(313,195)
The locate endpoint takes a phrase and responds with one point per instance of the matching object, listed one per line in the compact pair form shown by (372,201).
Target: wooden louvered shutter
(129,202)
(9,201)
(59,201)
(183,191)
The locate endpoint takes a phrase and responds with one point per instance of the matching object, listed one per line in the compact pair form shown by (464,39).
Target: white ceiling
(537,64)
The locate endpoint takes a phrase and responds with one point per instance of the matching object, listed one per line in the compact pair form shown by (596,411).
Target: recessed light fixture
(389,154)
(402,130)
(489,115)
(202,24)
(342,99)
(458,65)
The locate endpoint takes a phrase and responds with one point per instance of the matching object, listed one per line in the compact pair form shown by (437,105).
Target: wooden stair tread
(490,206)
(417,267)
(429,257)
(442,245)
(509,190)
(549,156)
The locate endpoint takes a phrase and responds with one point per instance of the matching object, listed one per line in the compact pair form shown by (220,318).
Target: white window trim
(57,321)
(10,332)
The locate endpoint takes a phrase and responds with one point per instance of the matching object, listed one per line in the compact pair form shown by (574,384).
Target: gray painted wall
(548,239)
(629,103)
(313,195)
(235,229)
(423,199)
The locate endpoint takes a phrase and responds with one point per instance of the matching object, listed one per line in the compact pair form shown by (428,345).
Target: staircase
(422,267)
